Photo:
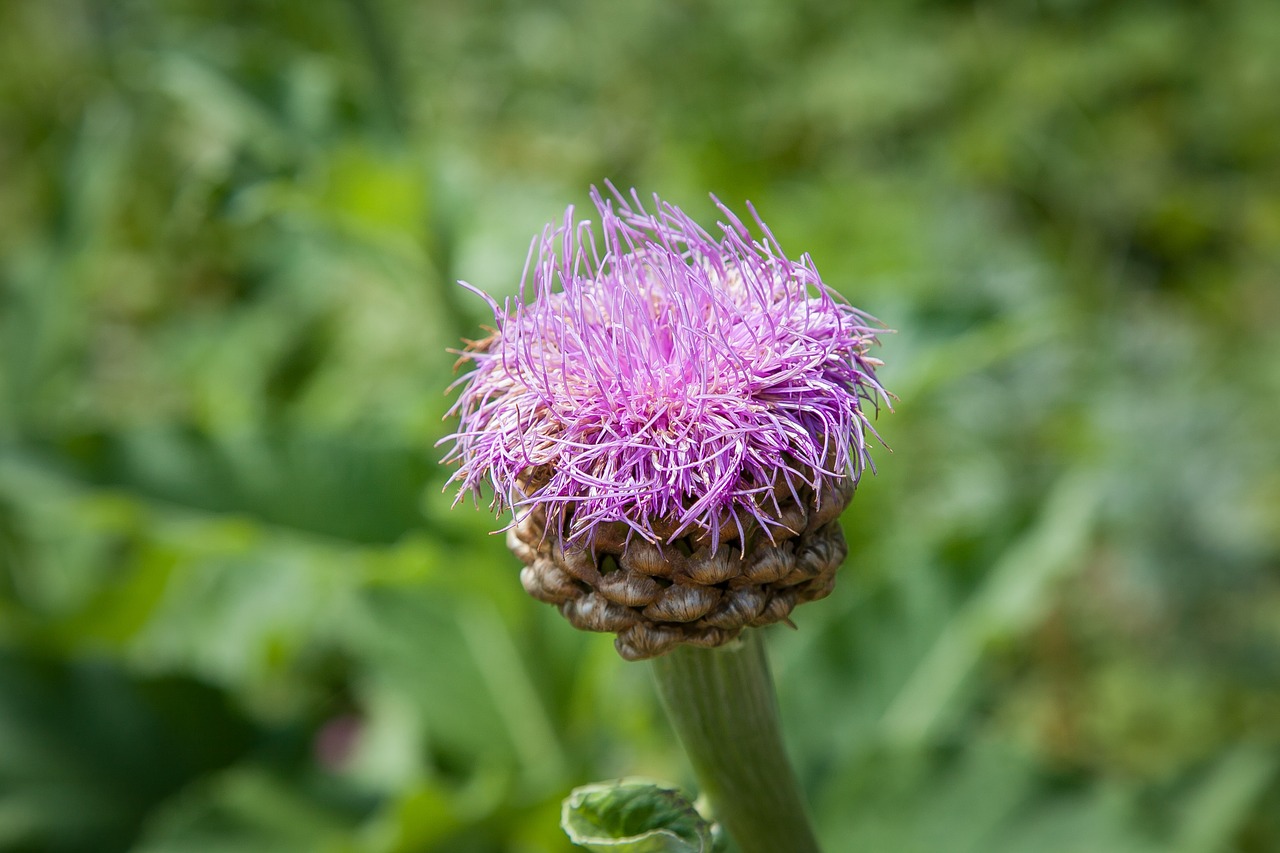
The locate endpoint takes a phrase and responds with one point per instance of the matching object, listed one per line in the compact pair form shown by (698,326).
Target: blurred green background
(236,610)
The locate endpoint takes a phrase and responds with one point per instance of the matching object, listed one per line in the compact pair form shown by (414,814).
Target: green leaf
(634,816)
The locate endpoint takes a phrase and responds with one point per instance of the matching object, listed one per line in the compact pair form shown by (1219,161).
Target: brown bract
(656,596)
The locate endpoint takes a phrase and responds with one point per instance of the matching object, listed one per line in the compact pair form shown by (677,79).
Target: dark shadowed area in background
(237,612)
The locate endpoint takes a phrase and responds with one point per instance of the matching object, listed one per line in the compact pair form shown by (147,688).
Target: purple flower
(665,377)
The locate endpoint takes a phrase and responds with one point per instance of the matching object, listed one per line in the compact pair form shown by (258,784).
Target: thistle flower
(676,419)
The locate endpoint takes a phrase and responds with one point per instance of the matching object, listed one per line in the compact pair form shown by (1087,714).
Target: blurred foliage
(236,611)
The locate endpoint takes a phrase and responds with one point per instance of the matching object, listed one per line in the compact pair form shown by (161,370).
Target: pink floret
(663,374)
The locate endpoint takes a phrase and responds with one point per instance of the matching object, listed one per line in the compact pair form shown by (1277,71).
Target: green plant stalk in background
(723,707)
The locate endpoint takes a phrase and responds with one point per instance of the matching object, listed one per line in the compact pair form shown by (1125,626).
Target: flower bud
(677,420)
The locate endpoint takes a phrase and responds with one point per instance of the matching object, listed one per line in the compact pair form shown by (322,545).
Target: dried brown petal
(737,608)
(728,533)
(683,603)
(547,582)
(709,638)
(594,612)
(780,605)
(794,518)
(820,587)
(610,537)
(644,640)
(709,569)
(830,502)
(632,590)
(646,558)
(767,565)
(825,551)
(578,561)
(523,550)
(532,584)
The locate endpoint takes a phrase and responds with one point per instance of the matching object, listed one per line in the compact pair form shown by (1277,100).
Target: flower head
(667,378)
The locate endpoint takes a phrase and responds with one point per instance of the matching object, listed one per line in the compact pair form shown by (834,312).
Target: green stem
(722,705)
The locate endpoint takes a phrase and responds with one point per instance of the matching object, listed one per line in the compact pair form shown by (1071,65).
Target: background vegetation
(236,611)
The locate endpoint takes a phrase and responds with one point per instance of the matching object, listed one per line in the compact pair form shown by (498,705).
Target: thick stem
(722,705)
